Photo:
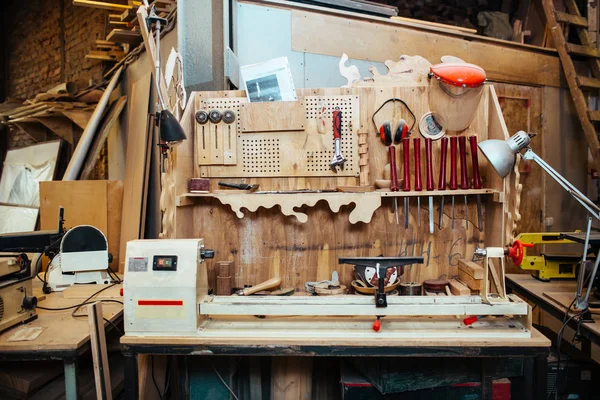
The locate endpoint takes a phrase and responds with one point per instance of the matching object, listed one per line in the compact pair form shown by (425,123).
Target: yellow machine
(548,265)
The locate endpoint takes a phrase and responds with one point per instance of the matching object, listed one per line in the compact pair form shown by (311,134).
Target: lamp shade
(171,131)
(499,154)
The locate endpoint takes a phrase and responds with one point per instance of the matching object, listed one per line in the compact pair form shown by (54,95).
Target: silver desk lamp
(502,155)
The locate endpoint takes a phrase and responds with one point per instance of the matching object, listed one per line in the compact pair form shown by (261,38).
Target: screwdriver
(394,186)
(464,179)
(418,183)
(442,184)
(476,179)
(406,154)
(453,185)
(430,186)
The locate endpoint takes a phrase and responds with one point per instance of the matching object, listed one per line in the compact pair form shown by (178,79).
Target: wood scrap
(111,118)
(101,4)
(78,158)
(99,354)
(457,288)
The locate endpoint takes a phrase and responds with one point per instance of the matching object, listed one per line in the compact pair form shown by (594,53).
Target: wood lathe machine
(166,294)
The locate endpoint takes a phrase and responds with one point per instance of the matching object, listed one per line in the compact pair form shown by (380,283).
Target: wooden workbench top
(61,332)
(556,293)
(536,340)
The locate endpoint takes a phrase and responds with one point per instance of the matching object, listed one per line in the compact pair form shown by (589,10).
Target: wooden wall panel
(367,40)
(266,243)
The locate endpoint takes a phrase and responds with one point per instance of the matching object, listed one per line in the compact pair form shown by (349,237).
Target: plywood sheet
(78,198)
(273,116)
(135,164)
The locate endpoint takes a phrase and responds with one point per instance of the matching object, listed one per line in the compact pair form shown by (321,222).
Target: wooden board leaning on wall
(265,243)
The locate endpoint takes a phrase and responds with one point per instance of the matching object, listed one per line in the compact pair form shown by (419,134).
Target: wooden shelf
(365,203)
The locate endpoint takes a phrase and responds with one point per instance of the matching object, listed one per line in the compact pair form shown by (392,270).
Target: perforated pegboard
(291,153)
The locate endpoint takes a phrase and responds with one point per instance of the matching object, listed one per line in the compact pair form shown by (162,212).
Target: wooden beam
(588,83)
(469,267)
(99,353)
(571,19)
(124,36)
(594,115)
(101,4)
(582,50)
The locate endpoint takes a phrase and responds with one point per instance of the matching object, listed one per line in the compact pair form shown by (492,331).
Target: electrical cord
(78,305)
(223,381)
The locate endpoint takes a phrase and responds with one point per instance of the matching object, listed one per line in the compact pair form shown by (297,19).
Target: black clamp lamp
(171,132)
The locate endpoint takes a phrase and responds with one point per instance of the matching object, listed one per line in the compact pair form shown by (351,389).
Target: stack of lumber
(61,110)
(106,51)
(126,33)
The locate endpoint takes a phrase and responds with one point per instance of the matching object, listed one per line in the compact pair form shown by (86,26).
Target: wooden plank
(101,5)
(109,120)
(99,353)
(267,116)
(571,19)
(472,283)
(582,50)
(469,267)
(584,38)
(501,62)
(458,289)
(435,24)
(571,75)
(124,36)
(137,144)
(588,83)
(291,378)
(594,115)
(85,291)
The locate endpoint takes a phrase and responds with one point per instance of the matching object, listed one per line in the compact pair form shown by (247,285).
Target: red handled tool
(430,187)
(406,188)
(442,181)
(476,179)
(394,186)
(418,183)
(464,178)
(338,158)
(453,185)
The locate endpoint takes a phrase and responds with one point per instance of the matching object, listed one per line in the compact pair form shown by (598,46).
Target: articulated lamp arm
(568,186)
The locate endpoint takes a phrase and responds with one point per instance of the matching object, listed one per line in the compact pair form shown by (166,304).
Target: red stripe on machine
(160,302)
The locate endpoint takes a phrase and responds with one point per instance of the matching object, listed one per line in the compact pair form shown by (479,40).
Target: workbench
(63,337)
(554,298)
(533,351)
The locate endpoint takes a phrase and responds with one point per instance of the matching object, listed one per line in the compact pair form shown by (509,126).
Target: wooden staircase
(577,83)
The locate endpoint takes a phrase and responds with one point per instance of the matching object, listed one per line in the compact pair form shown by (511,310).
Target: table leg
(131,375)
(486,379)
(71,387)
(540,382)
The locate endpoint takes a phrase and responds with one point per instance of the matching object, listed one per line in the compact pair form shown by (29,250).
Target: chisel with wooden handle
(442,181)
(406,188)
(476,179)
(418,183)
(453,185)
(464,178)
(266,285)
(394,186)
(430,187)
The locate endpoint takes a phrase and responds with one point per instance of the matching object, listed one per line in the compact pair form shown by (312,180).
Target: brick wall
(47,43)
